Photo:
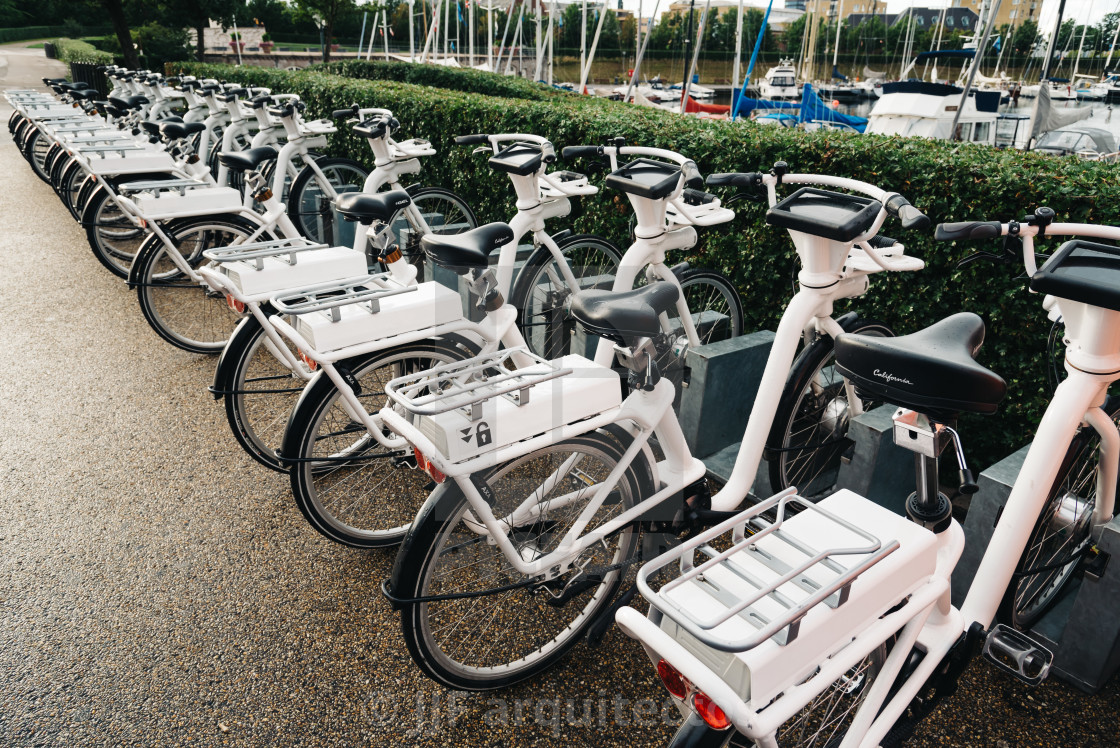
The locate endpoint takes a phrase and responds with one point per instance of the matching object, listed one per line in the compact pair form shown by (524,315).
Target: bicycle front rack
(368,291)
(468,384)
(766,558)
(258,251)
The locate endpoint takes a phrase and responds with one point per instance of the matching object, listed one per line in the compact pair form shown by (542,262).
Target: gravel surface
(158,588)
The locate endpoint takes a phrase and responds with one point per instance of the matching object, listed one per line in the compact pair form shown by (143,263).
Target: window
(1012,15)
(980,134)
(949,21)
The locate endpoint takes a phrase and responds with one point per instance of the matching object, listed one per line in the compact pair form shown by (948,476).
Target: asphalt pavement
(158,588)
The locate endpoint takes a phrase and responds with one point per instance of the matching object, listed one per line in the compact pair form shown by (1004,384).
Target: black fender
(243,334)
(847,320)
(431,511)
(695,733)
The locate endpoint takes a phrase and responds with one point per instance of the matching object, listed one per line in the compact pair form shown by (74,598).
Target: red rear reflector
(427,467)
(235,305)
(710,712)
(311,363)
(672,679)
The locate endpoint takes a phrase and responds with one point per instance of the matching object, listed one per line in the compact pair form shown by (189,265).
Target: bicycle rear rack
(258,251)
(368,291)
(783,574)
(161,185)
(466,385)
(103,150)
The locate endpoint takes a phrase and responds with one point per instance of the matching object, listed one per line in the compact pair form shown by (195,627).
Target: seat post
(926,439)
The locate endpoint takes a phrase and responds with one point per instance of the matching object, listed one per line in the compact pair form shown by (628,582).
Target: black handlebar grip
(692,176)
(548,153)
(947,232)
(881,242)
(580,151)
(743,179)
(343,113)
(697,197)
(911,217)
(472,139)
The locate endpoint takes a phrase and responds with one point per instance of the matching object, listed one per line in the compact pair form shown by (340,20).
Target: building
(779,17)
(956,19)
(1010,13)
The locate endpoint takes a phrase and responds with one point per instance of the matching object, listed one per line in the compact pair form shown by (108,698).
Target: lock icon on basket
(482,434)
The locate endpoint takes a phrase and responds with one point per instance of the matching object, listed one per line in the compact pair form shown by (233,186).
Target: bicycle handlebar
(749,180)
(471,139)
(581,151)
(351,111)
(947,232)
(911,217)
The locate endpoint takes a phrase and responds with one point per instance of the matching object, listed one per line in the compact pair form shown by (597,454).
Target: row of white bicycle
(522,445)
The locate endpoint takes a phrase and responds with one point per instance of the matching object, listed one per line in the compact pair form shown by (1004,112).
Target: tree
(120,27)
(197,15)
(327,13)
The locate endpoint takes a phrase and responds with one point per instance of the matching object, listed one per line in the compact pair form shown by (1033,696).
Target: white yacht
(927,110)
(780,82)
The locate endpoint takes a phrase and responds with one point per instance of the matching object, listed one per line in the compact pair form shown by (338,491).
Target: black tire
(182,312)
(70,185)
(259,391)
(1061,533)
(37,146)
(518,634)
(51,163)
(541,296)
(344,175)
(114,240)
(368,501)
(809,433)
(714,304)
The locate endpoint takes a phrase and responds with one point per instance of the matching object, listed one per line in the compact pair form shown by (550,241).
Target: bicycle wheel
(1061,533)
(495,640)
(111,235)
(717,314)
(70,185)
(809,433)
(541,295)
(259,390)
(308,191)
(181,311)
(824,721)
(443,212)
(37,147)
(349,487)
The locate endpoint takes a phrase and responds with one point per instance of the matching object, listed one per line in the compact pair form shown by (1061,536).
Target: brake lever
(482,149)
(754,197)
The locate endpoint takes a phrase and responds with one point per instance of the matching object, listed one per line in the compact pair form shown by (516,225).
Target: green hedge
(459,79)
(30,32)
(72,50)
(949,182)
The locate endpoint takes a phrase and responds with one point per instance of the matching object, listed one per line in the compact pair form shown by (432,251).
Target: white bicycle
(522,550)
(822,628)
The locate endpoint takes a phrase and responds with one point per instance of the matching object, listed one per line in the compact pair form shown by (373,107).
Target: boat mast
(739,50)
(1110,48)
(641,52)
(594,45)
(687,44)
(695,56)
(811,32)
(836,50)
(972,70)
(1053,39)
(1080,47)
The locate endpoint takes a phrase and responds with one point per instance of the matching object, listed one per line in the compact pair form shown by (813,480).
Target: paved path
(157,588)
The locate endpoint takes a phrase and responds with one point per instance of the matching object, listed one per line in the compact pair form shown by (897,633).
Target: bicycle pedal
(1017,654)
